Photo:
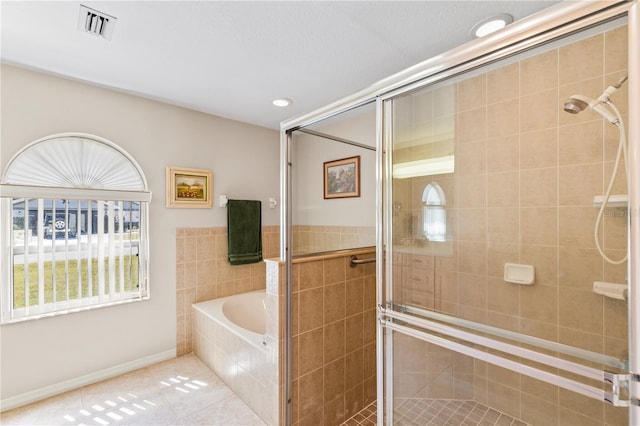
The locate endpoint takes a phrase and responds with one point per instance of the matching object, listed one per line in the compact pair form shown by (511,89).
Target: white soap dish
(519,274)
(612,290)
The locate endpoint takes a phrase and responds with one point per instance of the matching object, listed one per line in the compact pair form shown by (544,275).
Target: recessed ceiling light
(490,25)
(282,102)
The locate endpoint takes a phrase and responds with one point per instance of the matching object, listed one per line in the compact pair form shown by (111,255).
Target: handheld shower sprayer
(576,103)
(603,106)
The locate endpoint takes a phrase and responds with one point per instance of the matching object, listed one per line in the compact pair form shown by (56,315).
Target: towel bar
(353,261)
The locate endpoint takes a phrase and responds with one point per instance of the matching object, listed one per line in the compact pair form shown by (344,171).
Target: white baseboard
(78,382)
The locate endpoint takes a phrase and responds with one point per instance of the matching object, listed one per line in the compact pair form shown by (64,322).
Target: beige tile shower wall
(334,320)
(203,272)
(526,174)
(317,239)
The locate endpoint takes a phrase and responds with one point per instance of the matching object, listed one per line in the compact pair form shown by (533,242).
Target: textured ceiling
(231,58)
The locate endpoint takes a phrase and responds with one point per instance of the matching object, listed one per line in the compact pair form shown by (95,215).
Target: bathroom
(505,126)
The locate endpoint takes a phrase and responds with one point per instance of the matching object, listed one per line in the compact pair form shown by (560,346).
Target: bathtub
(230,337)
(243,314)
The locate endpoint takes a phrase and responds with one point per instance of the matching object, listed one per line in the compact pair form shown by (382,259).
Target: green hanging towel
(244,221)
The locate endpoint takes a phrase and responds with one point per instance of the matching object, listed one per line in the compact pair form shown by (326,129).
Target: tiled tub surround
(203,272)
(240,358)
(334,322)
(525,176)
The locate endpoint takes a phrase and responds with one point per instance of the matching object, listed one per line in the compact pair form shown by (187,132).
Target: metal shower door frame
(634,211)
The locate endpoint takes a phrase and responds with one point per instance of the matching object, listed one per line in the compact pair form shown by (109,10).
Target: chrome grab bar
(354,261)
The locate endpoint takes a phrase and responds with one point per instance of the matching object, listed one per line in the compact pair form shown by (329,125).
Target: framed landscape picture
(189,188)
(342,178)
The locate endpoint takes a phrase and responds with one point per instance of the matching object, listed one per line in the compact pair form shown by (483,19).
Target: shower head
(576,103)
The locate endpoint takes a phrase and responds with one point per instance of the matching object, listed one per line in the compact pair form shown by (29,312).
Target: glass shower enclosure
(499,303)
(506,240)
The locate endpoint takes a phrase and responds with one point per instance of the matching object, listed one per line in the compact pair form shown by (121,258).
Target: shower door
(495,305)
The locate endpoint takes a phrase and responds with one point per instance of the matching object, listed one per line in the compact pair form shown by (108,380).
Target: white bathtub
(243,314)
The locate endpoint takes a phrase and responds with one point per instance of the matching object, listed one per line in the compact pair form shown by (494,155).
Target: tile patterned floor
(366,417)
(181,391)
(438,412)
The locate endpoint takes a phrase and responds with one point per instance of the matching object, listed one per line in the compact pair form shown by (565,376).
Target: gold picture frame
(342,178)
(189,188)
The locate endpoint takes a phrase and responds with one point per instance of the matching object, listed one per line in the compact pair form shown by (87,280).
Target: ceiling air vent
(99,24)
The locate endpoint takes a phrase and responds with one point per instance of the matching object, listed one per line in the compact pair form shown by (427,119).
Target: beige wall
(310,152)
(47,355)
(526,174)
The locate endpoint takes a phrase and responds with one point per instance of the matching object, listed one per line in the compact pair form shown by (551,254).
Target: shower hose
(622,154)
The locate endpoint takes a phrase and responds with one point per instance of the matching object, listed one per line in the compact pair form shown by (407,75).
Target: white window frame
(106,201)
